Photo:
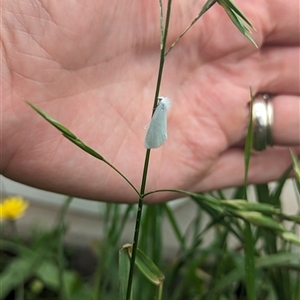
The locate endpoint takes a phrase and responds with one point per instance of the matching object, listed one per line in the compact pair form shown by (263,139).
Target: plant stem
(122,175)
(249,262)
(62,288)
(137,228)
(147,157)
(249,242)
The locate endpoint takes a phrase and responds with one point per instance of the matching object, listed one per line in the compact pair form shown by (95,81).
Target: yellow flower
(12,208)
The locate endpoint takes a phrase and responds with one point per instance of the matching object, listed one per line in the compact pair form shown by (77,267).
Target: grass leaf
(248,146)
(296,165)
(147,266)
(124,266)
(238,19)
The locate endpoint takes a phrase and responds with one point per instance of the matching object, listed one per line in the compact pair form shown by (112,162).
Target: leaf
(248,146)
(18,272)
(259,219)
(238,19)
(48,272)
(72,137)
(296,165)
(291,237)
(66,132)
(147,266)
(84,147)
(244,205)
(124,267)
(27,262)
(55,123)
(175,226)
(277,260)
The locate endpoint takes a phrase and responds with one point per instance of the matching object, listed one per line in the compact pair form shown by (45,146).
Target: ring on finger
(262,120)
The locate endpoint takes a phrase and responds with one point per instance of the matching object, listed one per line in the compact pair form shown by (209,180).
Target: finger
(283,20)
(277,70)
(264,167)
(286,126)
(276,20)
(280,76)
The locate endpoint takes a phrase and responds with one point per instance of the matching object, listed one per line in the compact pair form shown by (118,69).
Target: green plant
(210,272)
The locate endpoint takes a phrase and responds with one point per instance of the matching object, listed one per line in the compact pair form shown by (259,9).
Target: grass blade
(124,267)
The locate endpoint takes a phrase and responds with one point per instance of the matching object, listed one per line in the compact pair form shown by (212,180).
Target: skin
(92,65)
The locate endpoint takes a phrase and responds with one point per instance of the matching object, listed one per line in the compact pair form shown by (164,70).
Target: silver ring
(262,119)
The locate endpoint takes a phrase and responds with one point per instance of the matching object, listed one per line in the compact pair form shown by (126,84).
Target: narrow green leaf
(259,219)
(277,191)
(234,8)
(235,20)
(238,19)
(278,260)
(249,263)
(124,266)
(16,273)
(125,216)
(298,188)
(244,205)
(48,273)
(63,290)
(208,4)
(291,237)
(147,266)
(14,247)
(21,269)
(248,145)
(296,165)
(52,121)
(70,136)
(66,132)
(84,147)
(263,194)
(209,200)
(286,259)
(293,218)
(175,226)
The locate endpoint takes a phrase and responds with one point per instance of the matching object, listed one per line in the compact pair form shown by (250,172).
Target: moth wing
(157,131)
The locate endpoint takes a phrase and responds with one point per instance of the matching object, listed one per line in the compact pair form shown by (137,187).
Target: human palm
(93,66)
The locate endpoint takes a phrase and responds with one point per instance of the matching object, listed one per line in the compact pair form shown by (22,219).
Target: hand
(93,65)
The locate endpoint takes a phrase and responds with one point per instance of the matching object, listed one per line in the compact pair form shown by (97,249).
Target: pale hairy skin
(93,65)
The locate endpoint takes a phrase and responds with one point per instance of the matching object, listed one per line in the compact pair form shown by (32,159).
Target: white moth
(157,131)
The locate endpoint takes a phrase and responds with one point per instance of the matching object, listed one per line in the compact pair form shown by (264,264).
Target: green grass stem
(147,157)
